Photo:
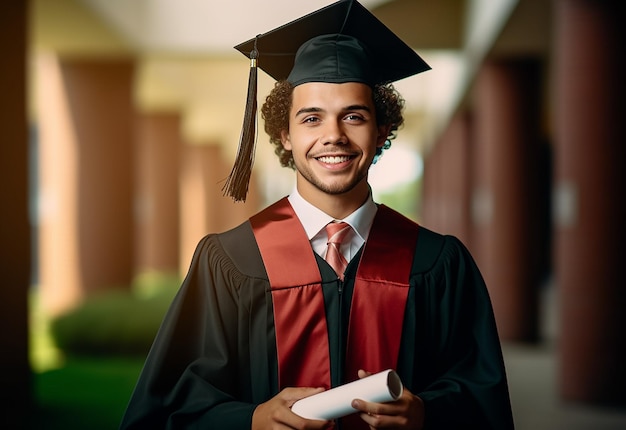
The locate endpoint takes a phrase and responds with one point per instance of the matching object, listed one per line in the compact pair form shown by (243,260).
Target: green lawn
(72,387)
(86,393)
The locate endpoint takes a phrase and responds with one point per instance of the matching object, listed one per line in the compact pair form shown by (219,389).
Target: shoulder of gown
(234,252)
(436,252)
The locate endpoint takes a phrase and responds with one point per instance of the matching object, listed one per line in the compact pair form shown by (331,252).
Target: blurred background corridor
(119,121)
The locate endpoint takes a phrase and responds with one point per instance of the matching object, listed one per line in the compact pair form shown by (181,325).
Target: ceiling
(200,26)
(215,26)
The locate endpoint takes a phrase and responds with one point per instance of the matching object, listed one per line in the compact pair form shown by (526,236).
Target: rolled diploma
(380,387)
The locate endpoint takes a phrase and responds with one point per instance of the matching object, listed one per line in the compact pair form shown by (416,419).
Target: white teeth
(334,160)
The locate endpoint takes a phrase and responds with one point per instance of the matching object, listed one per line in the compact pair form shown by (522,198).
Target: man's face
(333,137)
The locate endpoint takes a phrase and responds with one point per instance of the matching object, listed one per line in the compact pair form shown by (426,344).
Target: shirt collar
(314,219)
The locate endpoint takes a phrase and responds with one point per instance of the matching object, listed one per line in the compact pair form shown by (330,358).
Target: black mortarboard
(342,42)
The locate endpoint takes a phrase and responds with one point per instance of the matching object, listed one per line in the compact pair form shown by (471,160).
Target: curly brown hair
(388,103)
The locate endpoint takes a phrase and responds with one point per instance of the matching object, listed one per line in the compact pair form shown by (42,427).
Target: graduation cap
(342,42)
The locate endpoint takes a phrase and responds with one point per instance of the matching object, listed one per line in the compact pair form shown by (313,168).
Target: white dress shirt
(314,222)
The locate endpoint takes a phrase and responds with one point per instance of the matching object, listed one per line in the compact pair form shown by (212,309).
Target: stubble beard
(331,188)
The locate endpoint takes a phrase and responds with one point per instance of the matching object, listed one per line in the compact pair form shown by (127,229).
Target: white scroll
(380,387)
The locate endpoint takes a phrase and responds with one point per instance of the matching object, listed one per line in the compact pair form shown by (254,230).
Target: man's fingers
(363,373)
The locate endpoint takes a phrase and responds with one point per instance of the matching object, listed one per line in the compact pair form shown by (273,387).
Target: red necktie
(336,232)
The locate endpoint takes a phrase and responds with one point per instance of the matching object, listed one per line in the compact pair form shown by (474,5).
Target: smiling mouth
(335,159)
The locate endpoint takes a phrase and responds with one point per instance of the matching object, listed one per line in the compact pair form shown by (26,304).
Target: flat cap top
(342,42)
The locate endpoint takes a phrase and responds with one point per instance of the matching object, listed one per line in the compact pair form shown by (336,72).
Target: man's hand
(405,413)
(276,412)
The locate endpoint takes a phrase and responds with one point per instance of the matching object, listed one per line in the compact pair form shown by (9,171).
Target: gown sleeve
(190,377)
(462,378)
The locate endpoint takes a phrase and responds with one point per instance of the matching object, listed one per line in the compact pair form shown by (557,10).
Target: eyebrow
(345,109)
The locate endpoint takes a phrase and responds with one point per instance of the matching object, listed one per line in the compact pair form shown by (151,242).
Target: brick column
(200,173)
(590,220)
(203,207)
(429,211)
(447,181)
(14,220)
(505,155)
(157,170)
(86,123)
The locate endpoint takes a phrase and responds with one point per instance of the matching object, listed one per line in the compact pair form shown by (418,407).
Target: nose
(334,133)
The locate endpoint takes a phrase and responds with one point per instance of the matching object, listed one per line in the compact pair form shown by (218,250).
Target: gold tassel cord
(237,183)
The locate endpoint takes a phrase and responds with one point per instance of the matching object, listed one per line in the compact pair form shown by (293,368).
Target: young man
(263,320)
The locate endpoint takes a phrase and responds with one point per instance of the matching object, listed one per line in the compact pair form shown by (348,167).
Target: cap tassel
(237,183)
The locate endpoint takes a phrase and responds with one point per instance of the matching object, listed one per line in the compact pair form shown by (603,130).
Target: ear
(285,140)
(383,133)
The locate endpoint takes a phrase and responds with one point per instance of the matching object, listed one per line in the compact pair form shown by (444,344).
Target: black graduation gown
(214,358)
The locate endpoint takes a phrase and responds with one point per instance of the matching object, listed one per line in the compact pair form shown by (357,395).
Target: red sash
(380,293)
(299,314)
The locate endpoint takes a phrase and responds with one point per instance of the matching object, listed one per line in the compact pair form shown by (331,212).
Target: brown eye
(354,117)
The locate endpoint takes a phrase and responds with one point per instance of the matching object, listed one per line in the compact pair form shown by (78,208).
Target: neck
(338,206)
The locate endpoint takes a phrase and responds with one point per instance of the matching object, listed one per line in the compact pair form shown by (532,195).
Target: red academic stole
(382,282)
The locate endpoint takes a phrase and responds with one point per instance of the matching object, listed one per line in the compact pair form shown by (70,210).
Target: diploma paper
(335,403)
